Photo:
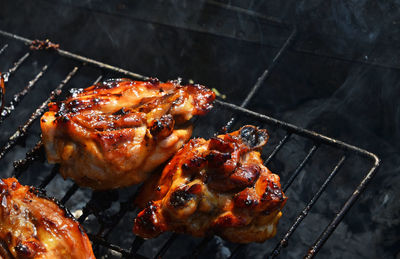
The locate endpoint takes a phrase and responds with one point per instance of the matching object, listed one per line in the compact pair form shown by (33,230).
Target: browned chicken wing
(32,226)
(114,133)
(217,186)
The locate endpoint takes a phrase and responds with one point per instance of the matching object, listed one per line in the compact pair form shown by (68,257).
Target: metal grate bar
(339,216)
(299,131)
(300,167)
(18,63)
(5,46)
(19,96)
(80,58)
(102,242)
(50,177)
(266,73)
(137,243)
(124,208)
(21,132)
(307,208)
(36,153)
(165,247)
(69,193)
(277,148)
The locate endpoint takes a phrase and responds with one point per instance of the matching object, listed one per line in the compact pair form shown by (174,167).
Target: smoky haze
(325,82)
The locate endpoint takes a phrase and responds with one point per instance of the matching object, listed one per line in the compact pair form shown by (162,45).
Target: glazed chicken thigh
(32,226)
(114,133)
(217,186)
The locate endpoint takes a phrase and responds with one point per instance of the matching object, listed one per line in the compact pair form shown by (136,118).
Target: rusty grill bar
(99,201)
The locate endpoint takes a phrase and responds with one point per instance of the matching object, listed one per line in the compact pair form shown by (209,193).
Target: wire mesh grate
(100,202)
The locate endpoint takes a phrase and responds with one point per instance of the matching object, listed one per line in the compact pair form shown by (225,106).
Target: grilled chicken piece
(113,134)
(33,226)
(218,186)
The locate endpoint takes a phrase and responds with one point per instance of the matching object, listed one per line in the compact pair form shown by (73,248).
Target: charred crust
(245,176)
(253,137)
(179,198)
(217,159)
(121,111)
(162,127)
(146,221)
(220,145)
(24,251)
(273,193)
(41,193)
(246,199)
(193,163)
(154,81)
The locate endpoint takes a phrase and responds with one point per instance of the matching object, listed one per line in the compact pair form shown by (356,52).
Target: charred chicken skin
(217,186)
(32,226)
(114,133)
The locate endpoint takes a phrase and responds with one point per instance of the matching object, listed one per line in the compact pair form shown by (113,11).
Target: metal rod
(165,247)
(137,243)
(50,177)
(299,131)
(13,140)
(19,96)
(307,208)
(277,148)
(98,79)
(69,193)
(80,58)
(18,63)
(125,253)
(300,167)
(35,153)
(339,216)
(266,73)
(3,48)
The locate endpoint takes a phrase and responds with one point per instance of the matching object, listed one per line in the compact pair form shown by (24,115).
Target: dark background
(341,76)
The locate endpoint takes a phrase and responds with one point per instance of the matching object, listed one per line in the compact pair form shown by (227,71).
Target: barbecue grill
(107,215)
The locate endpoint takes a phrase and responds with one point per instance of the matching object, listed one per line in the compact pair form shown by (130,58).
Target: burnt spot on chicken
(162,127)
(253,137)
(216,158)
(179,198)
(148,221)
(154,81)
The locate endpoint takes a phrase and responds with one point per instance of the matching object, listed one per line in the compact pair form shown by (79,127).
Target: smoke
(351,101)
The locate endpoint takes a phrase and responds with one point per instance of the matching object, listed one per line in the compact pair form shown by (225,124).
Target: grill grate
(101,201)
